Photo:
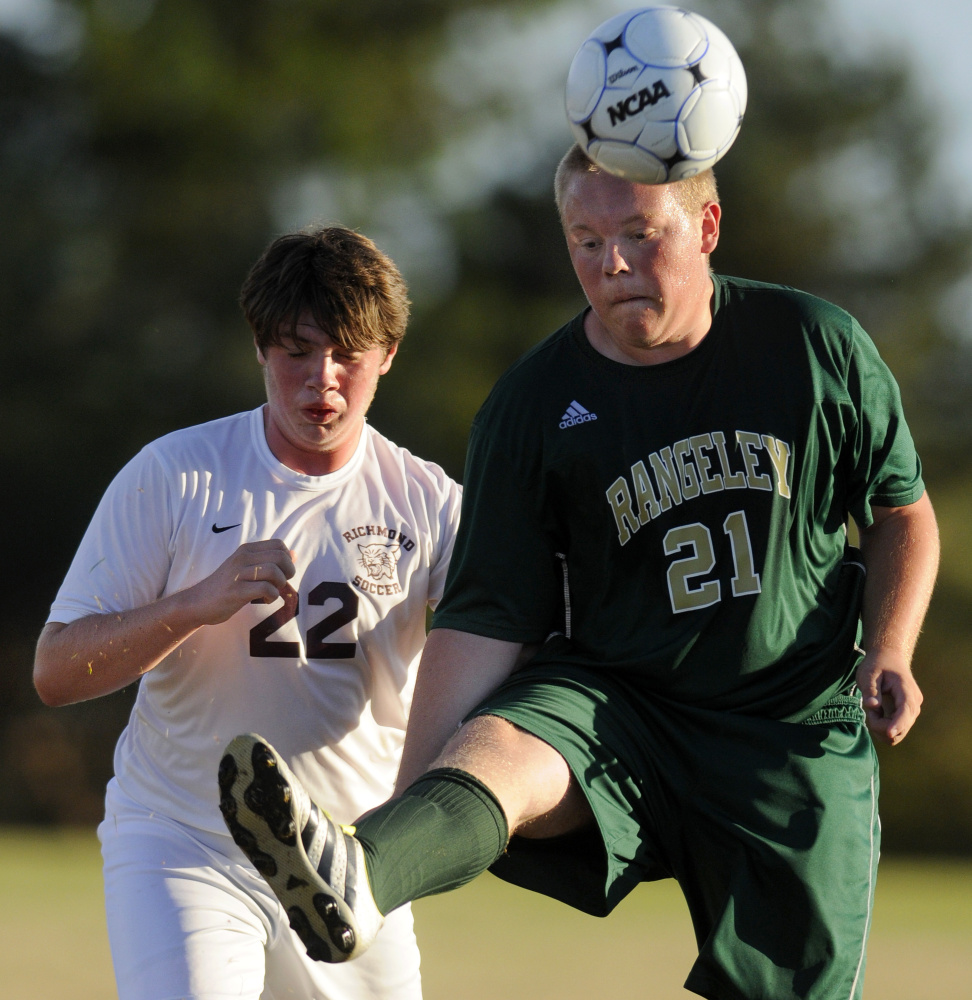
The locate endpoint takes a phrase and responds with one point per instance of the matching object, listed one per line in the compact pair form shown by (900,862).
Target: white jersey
(327,675)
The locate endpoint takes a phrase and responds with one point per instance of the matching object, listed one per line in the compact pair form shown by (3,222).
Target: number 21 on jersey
(685,590)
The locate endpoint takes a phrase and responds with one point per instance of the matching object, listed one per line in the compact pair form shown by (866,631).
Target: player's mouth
(319,414)
(637,300)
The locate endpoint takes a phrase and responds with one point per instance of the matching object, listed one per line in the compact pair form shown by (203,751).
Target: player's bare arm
(457,671)
(901,550)
(98,654)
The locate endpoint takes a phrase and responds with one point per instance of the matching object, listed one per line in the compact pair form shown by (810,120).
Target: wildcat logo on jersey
(378,559)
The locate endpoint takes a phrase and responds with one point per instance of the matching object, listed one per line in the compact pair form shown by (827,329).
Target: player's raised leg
(445,829)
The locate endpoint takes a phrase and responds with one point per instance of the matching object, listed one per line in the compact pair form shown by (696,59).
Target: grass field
(489,939)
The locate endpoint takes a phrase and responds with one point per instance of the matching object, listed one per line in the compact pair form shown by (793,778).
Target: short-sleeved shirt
(328,674)
(685,522)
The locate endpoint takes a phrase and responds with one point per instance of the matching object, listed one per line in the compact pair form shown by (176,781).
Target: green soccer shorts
(771,828)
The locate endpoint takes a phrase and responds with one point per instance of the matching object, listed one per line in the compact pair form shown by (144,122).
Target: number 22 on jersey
(316,644)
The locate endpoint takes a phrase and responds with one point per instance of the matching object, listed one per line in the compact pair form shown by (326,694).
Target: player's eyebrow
(637,218)
(294,342)
(640,219)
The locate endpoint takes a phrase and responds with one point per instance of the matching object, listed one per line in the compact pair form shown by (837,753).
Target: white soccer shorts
(190,919)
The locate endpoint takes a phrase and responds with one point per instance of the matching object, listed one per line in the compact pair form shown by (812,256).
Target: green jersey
(685,523)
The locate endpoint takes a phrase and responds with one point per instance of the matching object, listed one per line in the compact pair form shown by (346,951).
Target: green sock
(442,832)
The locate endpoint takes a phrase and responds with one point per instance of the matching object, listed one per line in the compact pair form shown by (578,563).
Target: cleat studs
(262,758)
(228,772)
(264,808)
(345,940)
(316,947)
(318,952)
(245,840)
(256,798)
(341,934)
(264,864)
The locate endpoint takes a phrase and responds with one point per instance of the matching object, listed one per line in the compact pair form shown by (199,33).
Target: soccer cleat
(315,867)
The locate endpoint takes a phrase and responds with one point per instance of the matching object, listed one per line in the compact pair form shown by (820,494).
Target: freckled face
(317,396)
(642,261)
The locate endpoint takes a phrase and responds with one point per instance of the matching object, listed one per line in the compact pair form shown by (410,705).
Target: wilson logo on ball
(621,74)
(636,103)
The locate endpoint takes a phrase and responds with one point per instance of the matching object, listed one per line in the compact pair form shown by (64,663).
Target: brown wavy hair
(353,290)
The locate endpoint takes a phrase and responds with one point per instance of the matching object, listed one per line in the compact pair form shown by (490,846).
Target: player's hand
(892,698)
(256,571)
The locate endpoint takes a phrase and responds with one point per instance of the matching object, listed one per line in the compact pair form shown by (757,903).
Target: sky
(936,35)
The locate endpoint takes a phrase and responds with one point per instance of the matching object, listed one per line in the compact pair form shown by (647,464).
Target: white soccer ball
(656,94)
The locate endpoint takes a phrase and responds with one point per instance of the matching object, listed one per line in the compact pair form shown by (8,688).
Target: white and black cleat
(315,867)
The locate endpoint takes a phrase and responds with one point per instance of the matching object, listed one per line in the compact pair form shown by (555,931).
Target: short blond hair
(693,193)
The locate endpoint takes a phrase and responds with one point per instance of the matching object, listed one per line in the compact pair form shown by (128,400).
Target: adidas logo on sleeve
(576,414)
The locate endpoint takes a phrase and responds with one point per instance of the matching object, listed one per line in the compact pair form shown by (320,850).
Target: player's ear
(389,357)
(259,351)
(711,216)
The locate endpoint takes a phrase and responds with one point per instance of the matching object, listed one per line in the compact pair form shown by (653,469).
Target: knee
(529,778)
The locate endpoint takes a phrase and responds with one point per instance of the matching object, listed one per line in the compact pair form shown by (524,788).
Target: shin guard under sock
(442,832)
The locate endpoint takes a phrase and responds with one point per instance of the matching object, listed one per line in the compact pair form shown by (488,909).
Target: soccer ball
(656,94)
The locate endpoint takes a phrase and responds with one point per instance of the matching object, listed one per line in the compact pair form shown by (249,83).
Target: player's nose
(322,372)
(614,262)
